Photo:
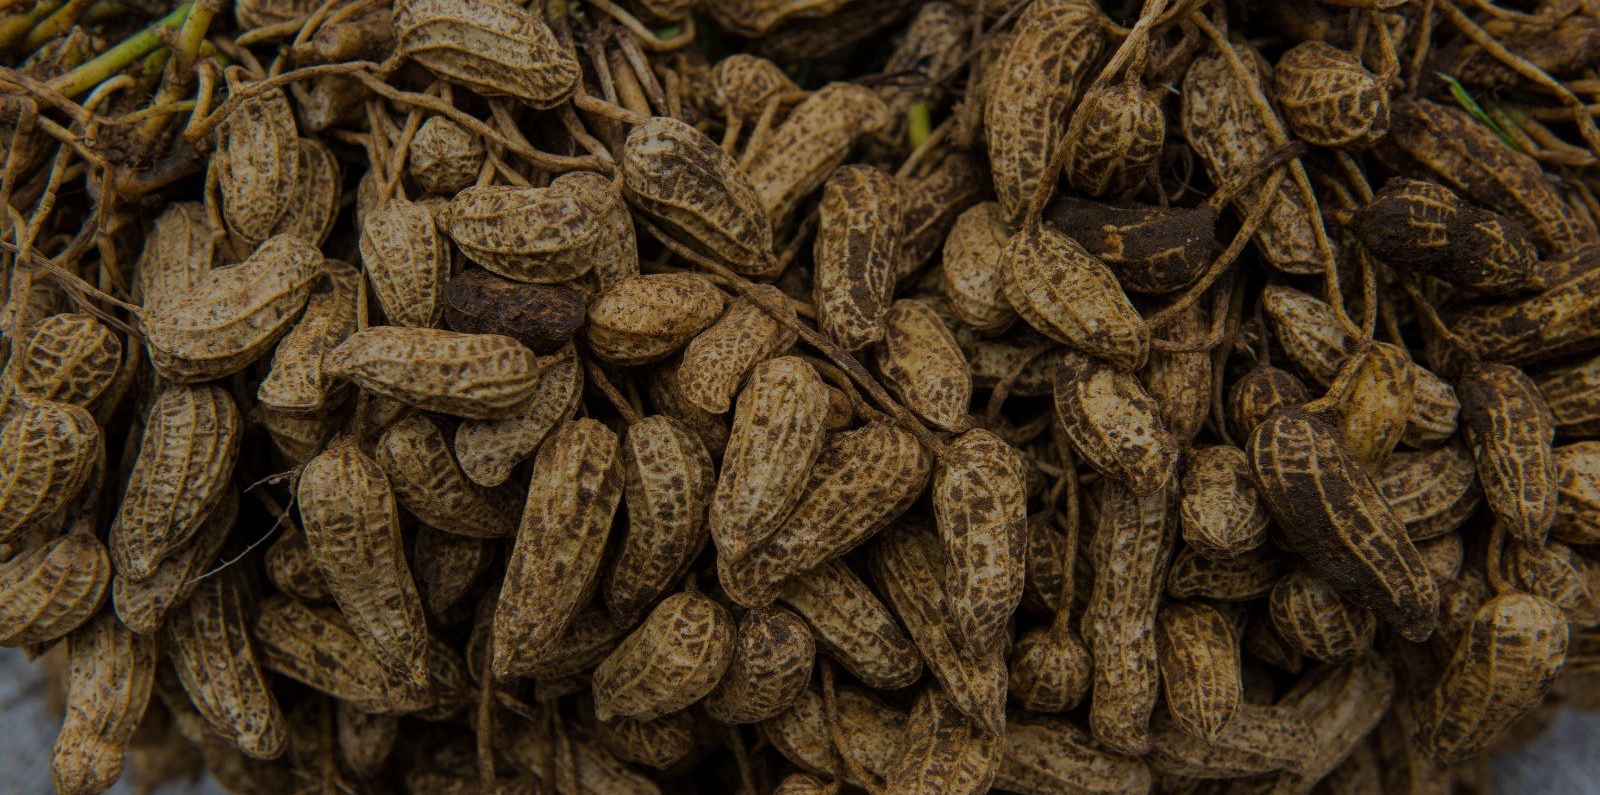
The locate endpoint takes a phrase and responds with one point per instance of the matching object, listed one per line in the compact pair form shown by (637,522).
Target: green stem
(89,75)
(13,28)
(56,24)
(195,25)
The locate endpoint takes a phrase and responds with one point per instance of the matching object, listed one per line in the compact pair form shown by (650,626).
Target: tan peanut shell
(923,365)
(974,282)
(1113,423)
(314,205)
(1545,327)
(855,255)
(673,659)
(647,318)
(1034,86)
(178,252)
(980,508)
(191,438)
(1181,382)
(365,739)
(142,605)
(542,235)
(1333,515)
(1239,579)
(110,674)
(49,451)
(1509,432)
(741,85)
(489,449)
(931,204)
(495,48)
(555,562)
(1049,754)
(717,361)
(943,751)
(1066,294)
(862,480)
(235,314)
(447,567)
(683,180)
(478,376)
(1198,651)
(1444,556)
(1431,491)
(1259,740)
(667,480)
(315,645)
(1050,668)
(1047,563)
(1561,576)
(1329,98)
(1257,393)
(659,743)
(772,657)
(777,435)
(1115,138)
(1502,667)
(407,259)
(352,528)
(668,396)
(1378,404)
(297,382)
(852,625)
(423,473)
(258,166)
(1572,391)
(290,567)
(1577,469)
(1130,550)
(798,156)
(69,358)
(444,158)
(1220,513)
(296,437)
(52,589)
(1317,622)
(588,639)
(1227,121)
(208,642)
(1341,704)
(908,566)
(869,729)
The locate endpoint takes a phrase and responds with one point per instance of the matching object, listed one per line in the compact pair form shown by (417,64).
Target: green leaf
(919,124)
(1471,106)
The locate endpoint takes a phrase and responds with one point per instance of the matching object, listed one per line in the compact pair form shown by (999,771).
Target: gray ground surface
(1565,761)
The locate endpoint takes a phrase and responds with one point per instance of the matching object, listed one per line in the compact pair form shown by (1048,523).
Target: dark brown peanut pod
(1066,294)
(1222,515)
(554,565)
(675,658)
(772,658)
(1504,665)
(1547,327)
(1334,516)
(1130,550)
(1050,668)
(543,317)
(495,48)
(1316,621)
(1329,98)
(1509,432)
(1425,227)
(667,483)
(1115,138)
(1200,670)
(1034,85)
(1341,704)
(1114,423)
(856,252)
(1572,392)
(290,568)
(1155,250)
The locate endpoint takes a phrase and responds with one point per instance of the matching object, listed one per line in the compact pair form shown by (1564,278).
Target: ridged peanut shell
(851,624)
(1115,138)
(297,381)
(772,657)
(1069,296)
(1378,404)
(49,451)
(1431,491)
(541,235)
(69,358)
(673,659)
(1260,740)
(208,642)
(444,158)
(1200,668)
(974,282)
(667,480)
(778,431)
(415,454)
(142,605)
(314,205)
(943,752)
(1046,755)
(488,450)
(478,376)
(314,644)
(1114,423)
(980,507)
(1221,514)
(1509,432)
(352,528)
(800,154)
(178,252)
(52,589)
(191,438)
(923,365)
(647,318)
(493,48)
(407,260)
(855,254)
(555,561)
(259,164)
(109,677)
(235,314)
(717,361)
(1328,98)
(543,317)
(1317,622)
(1577,469)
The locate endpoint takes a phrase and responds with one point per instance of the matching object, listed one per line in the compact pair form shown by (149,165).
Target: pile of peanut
(464,397)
